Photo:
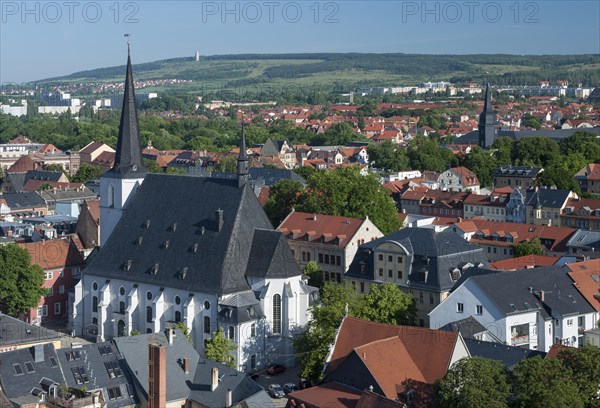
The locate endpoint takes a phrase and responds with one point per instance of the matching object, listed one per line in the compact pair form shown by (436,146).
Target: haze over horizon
(41,40)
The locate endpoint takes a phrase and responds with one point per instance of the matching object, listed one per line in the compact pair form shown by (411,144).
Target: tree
(584,143)
(473,383)
(545,383)
(388,157)
(387,304)
(227,164)
(152,166)
(531,122)
(585,365)
(181,326)
(56,168)
(20,281)
(503,146)
(535,151)
(87,172)
(314,273)
(220,349)
(533,247)
(482,163)
(284,196)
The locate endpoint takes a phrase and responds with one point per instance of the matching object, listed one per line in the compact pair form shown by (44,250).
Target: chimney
(186,365)
(214,379)
(219,219)
(170,336)
(541,295)
(229,398)
(38,353)
(314,217)
(157,375)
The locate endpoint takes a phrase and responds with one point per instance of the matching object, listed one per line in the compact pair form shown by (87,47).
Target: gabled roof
(507,355)
(522,262)
(16,332)
(23,200)
(549,198)
(516,171)
(171,225)
(425,352)
(510,291)
(22,165)
(334,395)
(270,256)
(51,254)
(585,239)
(320,228)
(590,171)
(468,327)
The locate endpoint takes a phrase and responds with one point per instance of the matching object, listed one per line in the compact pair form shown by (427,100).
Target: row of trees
(571,380)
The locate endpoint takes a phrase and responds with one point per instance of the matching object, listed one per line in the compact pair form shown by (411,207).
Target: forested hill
(359,69)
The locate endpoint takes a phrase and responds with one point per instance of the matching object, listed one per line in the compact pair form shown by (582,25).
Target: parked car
(275,369)
(289,387)
(276,391)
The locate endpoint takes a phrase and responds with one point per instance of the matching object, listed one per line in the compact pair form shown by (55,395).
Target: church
(201,251)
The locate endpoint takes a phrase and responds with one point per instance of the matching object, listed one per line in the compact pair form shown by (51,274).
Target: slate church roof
(169,236)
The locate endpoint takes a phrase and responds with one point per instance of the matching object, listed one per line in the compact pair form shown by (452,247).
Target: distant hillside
(353,69)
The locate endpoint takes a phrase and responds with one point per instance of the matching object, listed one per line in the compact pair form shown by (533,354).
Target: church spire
(128,158)
(242,161)
(487,105)
(487,121)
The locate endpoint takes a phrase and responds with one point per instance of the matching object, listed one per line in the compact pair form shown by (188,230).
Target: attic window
(183,272)
(174,227)
(147,224)
(195,248)
(154,269)
(139,241)
(166,244)
(128,265)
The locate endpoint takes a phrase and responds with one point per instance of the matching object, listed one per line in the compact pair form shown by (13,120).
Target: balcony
(519,340)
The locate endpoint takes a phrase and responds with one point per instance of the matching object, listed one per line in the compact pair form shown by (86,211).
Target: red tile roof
(592,170)
(22,165)
(417,352)
(55,253)
(331,395)
(328,229)
(524,262)
(586,276)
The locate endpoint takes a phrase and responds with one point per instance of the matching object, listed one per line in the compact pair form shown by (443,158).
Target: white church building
(178,248)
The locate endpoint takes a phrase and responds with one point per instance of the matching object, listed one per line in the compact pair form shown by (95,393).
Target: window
(105,350)
(80,375)
(320,258)
(95,304)
(277,314)
(113,369)
(399,259)
(94,286)
(207,324)
(49,275)
(114,393)
(231,332)
(177,300)
(29,367)
(479,309)
(73,355)
(381,257)
(431,299)
(57,308)
(581,321)
(460,307)
(420,297)
(399,274)
(390,258)
(43,311)
(61,289)
(149,314)
(50,291)
(327,259)
(362,287)
(122,291)
(206,305)
(569,322)
(421,323)
(177,316)
(122,307)
(253,361)
(253,330)
(52,361)
(390,273)
(18,369)
(338,260)
(149,295)
(380,271)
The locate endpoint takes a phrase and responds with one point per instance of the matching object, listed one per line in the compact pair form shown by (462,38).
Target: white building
(200,251)
(531,308)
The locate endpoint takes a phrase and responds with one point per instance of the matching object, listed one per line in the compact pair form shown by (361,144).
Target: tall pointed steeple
(128,158)
(242,161)
(487,121)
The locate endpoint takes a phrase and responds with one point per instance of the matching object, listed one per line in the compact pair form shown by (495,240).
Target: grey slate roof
(175,216)
(18,387)
(196,384)
(435,253)
(468,327)
(516,171)
(549,198)
(14,332)
(585,239)
(511,294)
(52,197)
(128,156)
(93,362)
(239,308)
(507,355)
(23,200)
(556,134)
(270,256)
(259,176)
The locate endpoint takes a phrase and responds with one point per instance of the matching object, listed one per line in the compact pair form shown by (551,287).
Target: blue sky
(52,38)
